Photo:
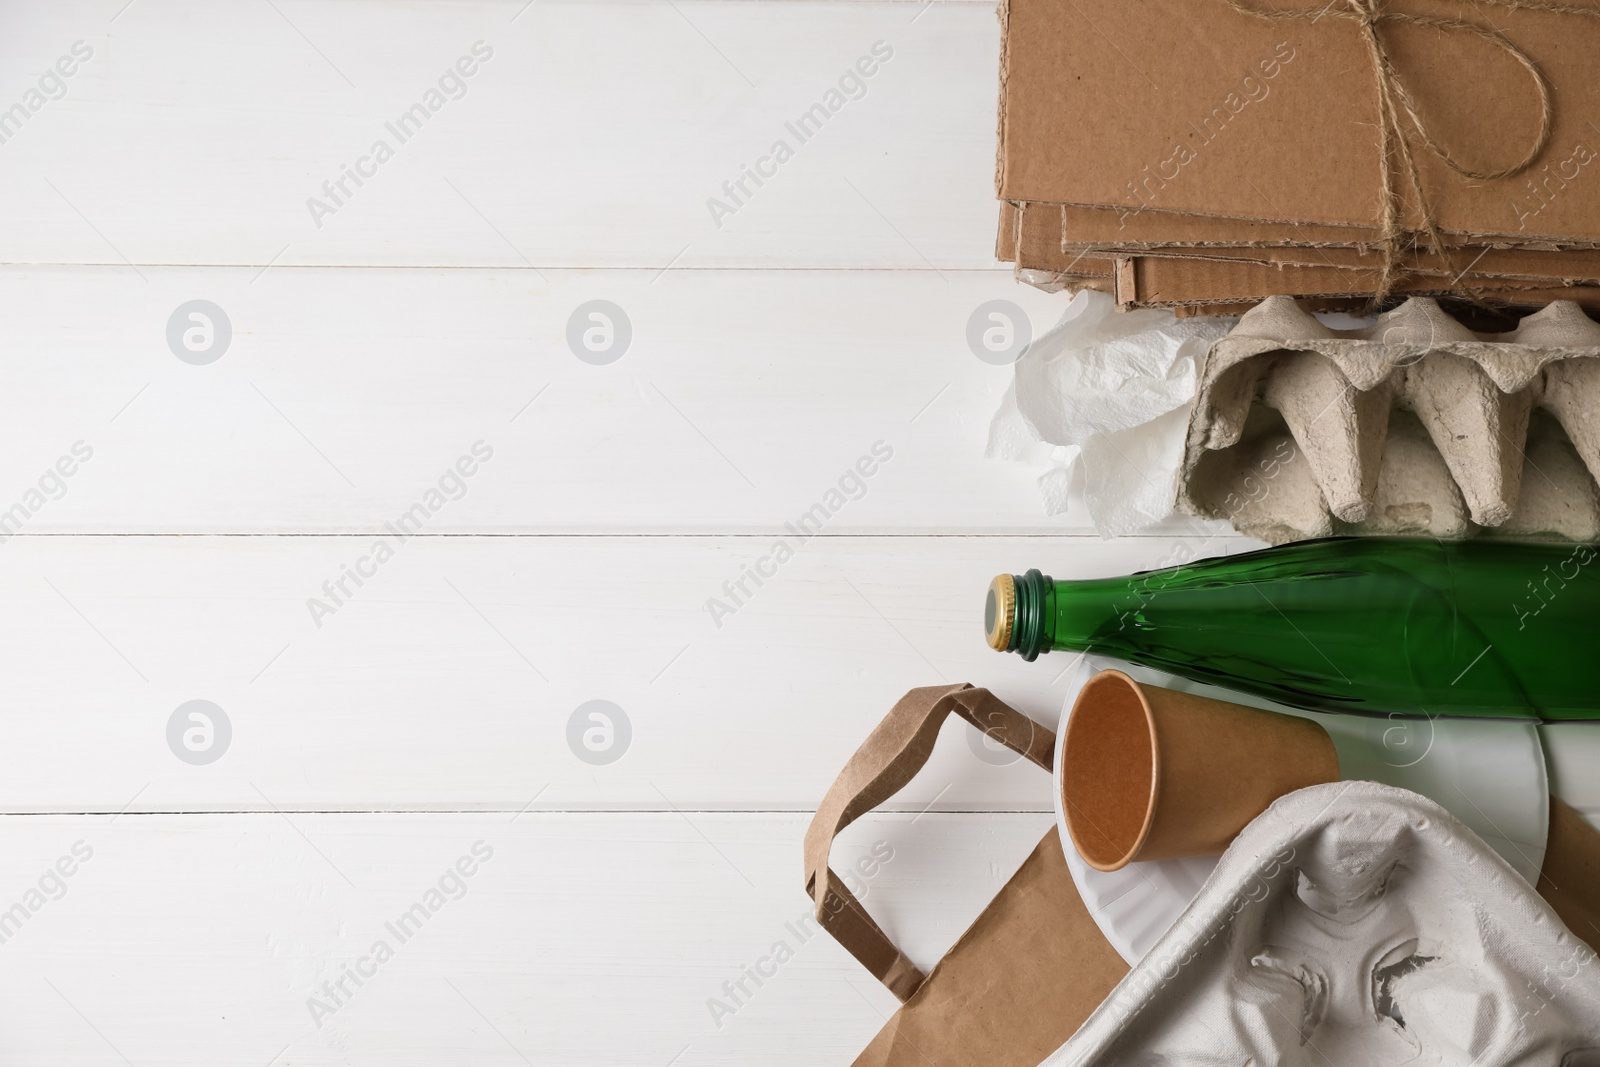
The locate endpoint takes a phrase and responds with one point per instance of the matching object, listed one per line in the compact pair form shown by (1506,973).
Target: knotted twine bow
(1394,100)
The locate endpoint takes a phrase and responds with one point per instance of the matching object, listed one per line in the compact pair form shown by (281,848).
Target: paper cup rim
(1067,807)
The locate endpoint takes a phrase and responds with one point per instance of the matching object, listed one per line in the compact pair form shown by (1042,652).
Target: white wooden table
(416,725)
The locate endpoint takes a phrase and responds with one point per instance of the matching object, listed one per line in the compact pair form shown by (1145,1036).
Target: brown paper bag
(1570,880)
(1032,966)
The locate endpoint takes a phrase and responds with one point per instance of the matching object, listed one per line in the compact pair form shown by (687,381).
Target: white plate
(1490,775)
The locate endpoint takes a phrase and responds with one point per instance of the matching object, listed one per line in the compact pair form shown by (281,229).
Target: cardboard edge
(1003,15)
(1365,234)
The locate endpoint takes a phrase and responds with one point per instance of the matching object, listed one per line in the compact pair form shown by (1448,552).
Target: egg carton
(1415,425)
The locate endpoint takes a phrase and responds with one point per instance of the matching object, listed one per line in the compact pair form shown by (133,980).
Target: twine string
(1397,159)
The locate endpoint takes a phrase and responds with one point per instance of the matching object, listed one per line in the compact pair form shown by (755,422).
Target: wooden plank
(591,135)
(344,395)
(448,679)
(580,939)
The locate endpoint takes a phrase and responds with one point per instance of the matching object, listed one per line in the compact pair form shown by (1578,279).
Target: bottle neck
(1053,615)
(1033,625)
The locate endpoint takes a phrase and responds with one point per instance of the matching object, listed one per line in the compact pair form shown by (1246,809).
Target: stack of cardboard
(1185,154)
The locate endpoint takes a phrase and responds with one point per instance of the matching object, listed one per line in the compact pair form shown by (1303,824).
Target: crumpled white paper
(1103,400)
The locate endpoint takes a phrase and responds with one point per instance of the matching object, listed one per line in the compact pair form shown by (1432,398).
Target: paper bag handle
(889,758)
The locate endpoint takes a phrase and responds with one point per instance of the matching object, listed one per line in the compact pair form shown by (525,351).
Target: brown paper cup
(1149,773)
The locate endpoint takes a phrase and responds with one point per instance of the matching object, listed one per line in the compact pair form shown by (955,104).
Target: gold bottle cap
(999,611)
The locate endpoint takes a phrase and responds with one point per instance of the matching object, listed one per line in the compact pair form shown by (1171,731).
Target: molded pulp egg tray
(1415,425)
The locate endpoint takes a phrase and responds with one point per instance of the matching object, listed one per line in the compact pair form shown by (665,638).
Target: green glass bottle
(1373,626)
